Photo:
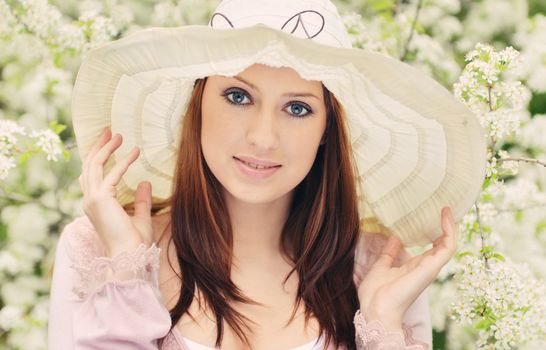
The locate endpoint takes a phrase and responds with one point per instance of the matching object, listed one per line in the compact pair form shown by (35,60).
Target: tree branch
(523,159)
(406,47)
(481,233)
(512,210)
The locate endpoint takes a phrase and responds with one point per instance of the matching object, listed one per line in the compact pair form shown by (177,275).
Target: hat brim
(417,148)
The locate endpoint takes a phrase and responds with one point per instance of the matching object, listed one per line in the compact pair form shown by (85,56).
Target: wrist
(390,321)
(126,247)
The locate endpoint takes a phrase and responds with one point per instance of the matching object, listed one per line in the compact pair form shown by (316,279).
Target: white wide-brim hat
(417,148)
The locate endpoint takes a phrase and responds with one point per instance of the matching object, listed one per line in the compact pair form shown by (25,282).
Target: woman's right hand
(117,230)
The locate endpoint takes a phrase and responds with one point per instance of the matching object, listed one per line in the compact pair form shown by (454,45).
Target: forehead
(261,76)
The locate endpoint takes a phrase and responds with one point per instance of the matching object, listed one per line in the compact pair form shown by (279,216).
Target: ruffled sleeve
(417,326)
(373,336)
(114,303)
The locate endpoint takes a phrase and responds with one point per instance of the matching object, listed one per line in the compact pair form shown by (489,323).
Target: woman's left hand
(387,291)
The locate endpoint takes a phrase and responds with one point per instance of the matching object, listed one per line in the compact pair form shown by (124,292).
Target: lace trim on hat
(373,336)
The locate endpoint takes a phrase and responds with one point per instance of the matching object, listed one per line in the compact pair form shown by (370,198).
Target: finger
(389,253)
(450,231)
(96,165)
(103,138)
(143,205)
(115,174)
(143,200)
(444,246)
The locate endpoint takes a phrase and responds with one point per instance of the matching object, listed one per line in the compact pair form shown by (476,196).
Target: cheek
(301,150)
(218,134)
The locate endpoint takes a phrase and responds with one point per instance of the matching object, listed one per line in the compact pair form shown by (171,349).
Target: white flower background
(490,53)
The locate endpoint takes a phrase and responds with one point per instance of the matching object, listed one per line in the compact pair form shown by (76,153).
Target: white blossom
(99,30)
(166,14)
(520,191)
(11,316)
(505,294)
(49,142)
(489,17)
(29,337)
(491,167)
(6,163)
(500,105)
(9,131)
(510,166)
(533,133)
(531,36)
(361,34)
(70,36)
(23,290)
(8,263)
(40,17)
(8,24)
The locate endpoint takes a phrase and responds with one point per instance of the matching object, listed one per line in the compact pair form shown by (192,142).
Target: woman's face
(267,116)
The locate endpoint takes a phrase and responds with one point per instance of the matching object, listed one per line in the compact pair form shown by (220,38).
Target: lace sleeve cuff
(92,274)
(373,336)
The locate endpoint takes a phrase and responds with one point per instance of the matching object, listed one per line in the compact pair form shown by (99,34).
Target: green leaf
(56,127)
(541,226)
(519,215)
(483,324)
(66,155)
(463,254)
(382,5)
(486,249)
(487,197)
(23,158)
(498,256)
(3,234)
(59,128)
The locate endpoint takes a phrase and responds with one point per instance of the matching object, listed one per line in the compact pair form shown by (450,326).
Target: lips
(253,172)
(257,163)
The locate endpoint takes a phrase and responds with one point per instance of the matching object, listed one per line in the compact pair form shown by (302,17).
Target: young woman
(255,238)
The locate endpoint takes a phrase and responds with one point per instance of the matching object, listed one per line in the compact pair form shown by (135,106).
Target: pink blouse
(106,303)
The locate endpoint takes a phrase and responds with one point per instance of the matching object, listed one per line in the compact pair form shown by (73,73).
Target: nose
(262,131)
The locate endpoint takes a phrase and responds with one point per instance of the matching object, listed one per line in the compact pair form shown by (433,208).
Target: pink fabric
(98,302)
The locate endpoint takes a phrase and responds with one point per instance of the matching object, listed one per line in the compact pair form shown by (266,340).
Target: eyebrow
(289,94)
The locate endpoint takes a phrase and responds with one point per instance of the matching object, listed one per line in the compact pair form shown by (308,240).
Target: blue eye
(296,110)
(237,97)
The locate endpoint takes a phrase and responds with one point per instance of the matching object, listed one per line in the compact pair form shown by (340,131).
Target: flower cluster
(360,34)
(532,37)
(499,105)
(49,142)
(46,141)
(169,13)
(505,297)
(9,131)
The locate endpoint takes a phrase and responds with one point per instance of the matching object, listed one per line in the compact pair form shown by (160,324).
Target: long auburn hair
(319,236)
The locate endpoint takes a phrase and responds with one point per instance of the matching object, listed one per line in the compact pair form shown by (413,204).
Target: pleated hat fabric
(417,148)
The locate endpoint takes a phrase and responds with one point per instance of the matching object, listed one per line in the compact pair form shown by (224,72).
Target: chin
(252,195)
